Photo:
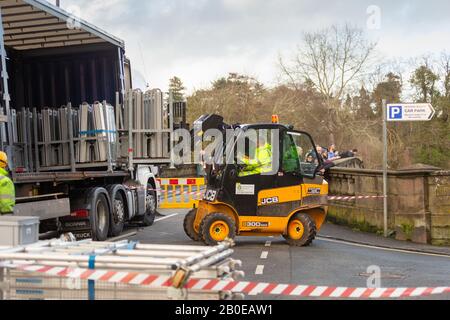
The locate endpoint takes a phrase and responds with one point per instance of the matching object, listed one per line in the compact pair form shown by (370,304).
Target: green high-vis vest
(262,163)
(7,193)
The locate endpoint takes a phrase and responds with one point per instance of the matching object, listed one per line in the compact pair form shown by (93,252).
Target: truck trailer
(84,147)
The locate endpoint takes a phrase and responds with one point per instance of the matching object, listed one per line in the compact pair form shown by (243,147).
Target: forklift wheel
(216,228)
(189,225)
(301,231)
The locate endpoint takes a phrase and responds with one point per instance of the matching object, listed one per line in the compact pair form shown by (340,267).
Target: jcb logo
(268,201)
(210,195)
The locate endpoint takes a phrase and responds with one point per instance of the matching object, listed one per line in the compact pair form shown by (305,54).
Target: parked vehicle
(78,169)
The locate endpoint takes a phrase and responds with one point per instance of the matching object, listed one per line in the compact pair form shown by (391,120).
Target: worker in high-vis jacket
(7,190)
(262,163)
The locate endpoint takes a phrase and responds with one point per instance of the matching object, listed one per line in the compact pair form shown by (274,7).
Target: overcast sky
(201,40)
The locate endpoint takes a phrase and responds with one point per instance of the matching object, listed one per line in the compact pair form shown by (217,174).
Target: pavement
(339,257)
(332,231)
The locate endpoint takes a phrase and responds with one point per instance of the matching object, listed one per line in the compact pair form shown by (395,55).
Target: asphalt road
(325,263)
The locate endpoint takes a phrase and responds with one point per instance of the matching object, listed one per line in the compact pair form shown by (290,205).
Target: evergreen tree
(177,88)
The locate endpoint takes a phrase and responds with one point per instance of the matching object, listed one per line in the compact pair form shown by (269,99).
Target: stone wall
(419,202)
(439,206)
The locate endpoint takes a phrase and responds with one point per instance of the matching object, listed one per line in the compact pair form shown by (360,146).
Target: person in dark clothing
(349,154)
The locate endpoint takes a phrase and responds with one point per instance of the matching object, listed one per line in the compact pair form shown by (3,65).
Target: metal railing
(124,262)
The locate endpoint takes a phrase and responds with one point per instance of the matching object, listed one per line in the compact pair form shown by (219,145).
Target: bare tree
(330,60)
(445,69)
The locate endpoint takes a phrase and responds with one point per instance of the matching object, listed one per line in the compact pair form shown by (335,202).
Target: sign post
(399,113)
(385,171)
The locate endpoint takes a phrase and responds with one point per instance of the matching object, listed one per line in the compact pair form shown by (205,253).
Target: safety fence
(185,193)
(86,270)
(181,193)
(249,288)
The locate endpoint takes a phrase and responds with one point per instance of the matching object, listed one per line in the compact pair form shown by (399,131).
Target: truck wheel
(118,214)
(189,225)
(100,218)
(216,228)
(301,231)
(150,212)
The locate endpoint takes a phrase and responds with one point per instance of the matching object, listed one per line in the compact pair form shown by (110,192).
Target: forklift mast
(210,121)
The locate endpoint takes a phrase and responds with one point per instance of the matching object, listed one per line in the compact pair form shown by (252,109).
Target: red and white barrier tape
(178,192)
(330,198)
(250,288)
(342,198)
(182,181)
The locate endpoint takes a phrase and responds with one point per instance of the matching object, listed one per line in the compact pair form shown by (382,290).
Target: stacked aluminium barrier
(145,118)
(91,135)
(56,270)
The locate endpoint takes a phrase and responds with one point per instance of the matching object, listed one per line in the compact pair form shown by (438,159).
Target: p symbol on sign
(395,112)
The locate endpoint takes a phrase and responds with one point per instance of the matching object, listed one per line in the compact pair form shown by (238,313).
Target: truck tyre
(301,231)
(151,207)
(216,228)
(100,217)
(189,225)
(118,213)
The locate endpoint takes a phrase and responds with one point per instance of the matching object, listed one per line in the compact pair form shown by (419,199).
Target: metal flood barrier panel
(181,193)
(145,117)
(131,271)
(91,135)
(64,138)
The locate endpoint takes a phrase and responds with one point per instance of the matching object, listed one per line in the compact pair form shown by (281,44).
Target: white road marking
(168,217)
(264,255)
(268,243)
(381,248)
(259,270)
(124,236)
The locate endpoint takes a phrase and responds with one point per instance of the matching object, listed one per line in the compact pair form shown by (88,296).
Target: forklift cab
(294,162)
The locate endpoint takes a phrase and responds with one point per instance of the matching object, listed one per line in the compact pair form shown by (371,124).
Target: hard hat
(3,159)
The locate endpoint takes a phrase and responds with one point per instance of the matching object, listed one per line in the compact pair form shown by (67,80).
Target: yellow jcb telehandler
(290,200)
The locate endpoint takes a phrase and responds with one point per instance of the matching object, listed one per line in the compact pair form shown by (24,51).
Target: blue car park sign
(410,112)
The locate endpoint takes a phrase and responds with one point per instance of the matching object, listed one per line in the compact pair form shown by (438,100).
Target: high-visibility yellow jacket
(261,164)
(7,193)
